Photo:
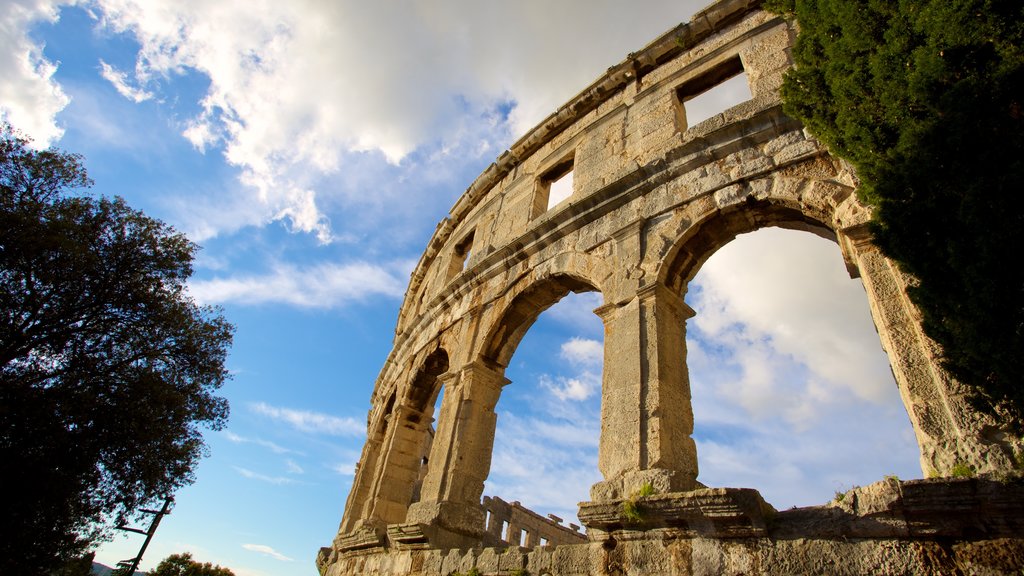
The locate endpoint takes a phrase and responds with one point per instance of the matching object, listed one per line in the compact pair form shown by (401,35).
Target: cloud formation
(786,296)
(119,80)
(245,472)
(298,90)
(583,352)
(275,448)
(267,551)
(578,387)
(312,422)
(29,98)
(321,286)
(792,393)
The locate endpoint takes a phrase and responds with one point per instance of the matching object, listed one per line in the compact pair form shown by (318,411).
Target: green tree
(107,367)
(924,97)
(184,565)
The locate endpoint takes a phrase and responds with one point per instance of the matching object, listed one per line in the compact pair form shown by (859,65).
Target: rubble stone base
(971,526)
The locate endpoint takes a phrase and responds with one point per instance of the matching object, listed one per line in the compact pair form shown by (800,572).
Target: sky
(310,147)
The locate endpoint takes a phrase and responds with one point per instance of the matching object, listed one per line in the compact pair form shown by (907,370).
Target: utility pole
(128,567)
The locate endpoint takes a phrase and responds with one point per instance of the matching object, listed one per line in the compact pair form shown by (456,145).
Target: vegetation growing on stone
(107,366)
(962,470)
(924,97)
(632,511)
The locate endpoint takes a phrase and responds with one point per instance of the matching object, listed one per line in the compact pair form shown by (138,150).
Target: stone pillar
(357,499)
(400,467)
(646,417)
(460,459)
(949,430)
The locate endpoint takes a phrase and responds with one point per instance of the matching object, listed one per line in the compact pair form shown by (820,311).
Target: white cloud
(322,286)
(347,468)
(293,467)
(786,294)
(268,551)
(297,90)
(29,98)
(245,472)
(314,422)
(792,394)
(119,80)
(275,448)
(583,352)
(546,462)
(578,387)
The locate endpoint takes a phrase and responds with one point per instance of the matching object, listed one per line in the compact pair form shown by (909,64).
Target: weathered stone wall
(514,525)
(964,527)
(653,198)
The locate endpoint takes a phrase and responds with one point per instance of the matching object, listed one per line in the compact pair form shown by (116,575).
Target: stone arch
(451,492)
(717,228)
(529,301)
(423,388)
(393,482)
(924,388)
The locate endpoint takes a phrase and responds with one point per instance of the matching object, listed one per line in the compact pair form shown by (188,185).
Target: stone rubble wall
(924,527)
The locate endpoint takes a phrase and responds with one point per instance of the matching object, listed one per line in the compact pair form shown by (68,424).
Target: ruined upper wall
(506,187)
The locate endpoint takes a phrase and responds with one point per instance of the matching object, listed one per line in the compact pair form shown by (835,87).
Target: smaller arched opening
(407,442)
(425,396)
(791,391)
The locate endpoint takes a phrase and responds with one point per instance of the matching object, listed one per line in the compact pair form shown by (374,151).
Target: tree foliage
(924,97)
(184,565)
(107,367)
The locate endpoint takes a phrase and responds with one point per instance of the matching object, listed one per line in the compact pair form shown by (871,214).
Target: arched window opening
(426,397)
(544,459)
(792,393)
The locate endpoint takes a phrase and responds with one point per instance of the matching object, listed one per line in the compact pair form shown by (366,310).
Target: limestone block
(796,151)
(783,141)
(730,196)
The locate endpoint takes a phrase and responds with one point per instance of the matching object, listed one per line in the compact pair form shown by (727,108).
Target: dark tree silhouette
(924,97)
(107,367)
(184,565)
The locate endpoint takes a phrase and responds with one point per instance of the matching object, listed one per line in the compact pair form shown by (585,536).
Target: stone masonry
(513,525)
(653,197)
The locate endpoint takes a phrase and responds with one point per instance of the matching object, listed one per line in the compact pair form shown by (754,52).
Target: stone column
(357,498)
(460,459)
(401,454)
(949,430)
(646,417)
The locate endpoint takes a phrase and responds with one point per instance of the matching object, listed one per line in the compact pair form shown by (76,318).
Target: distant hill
(104,570)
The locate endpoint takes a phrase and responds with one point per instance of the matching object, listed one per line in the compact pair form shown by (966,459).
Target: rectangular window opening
(559,189)
(504,530)
(554,187)
(488,519)
(524,537)
(712,93)
(460,256)
(543,542)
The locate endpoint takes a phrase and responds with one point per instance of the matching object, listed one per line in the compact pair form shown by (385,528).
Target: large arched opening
(791,391)
(549,346)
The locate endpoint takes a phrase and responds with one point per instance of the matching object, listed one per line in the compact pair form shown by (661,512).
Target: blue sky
(311,148)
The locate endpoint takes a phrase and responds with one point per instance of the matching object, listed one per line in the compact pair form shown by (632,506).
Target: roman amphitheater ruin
(653,196)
